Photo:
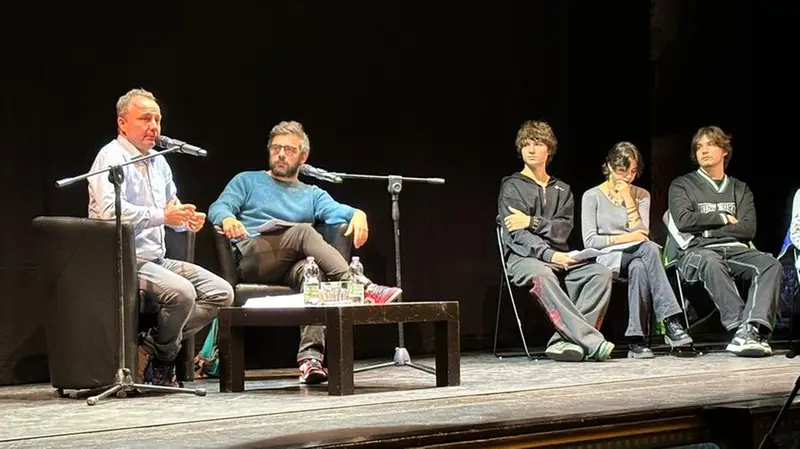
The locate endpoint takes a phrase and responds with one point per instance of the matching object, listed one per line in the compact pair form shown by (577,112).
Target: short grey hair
(125,100)
(293,128)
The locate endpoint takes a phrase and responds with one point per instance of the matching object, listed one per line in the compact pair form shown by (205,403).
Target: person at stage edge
(187,295)
(615,215)
(537,211)
(712,219)
(253,198)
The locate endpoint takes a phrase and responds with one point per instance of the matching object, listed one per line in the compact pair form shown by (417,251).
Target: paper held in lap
(591,253)
(272,225)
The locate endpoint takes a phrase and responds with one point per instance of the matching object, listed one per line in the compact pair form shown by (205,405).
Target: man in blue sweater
(253,198)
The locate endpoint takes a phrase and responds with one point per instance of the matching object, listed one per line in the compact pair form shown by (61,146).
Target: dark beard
(289,172)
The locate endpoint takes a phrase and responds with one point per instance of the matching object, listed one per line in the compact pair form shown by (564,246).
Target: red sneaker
(311,372)
(378,294)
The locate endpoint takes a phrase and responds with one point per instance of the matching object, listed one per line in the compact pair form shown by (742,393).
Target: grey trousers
(647,282)
(577,313)
(188,297)
(717,267)
(278,257)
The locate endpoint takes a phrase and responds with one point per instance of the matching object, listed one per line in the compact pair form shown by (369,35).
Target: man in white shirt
(188,296)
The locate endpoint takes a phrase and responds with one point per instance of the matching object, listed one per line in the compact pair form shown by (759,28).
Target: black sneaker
(674,334)
(748,343)
(639,351)
(164,374)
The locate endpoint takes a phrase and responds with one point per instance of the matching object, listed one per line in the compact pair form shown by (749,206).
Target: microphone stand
(768,441)
(123,379)
(395,186)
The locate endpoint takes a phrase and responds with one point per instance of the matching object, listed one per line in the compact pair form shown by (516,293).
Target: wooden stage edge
(666,402)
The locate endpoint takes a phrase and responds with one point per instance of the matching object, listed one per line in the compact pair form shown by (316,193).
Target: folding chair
(505,282)
(788,255)
(673,264)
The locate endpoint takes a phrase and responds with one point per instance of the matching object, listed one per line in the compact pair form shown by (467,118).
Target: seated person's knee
(183,297)
(651,248)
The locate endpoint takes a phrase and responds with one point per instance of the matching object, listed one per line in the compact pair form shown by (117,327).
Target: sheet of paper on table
(281,301)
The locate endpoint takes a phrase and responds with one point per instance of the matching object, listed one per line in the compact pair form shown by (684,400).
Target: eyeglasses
(286,148)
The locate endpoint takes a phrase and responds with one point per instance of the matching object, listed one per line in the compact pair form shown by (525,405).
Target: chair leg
(683,298)
(683,306)
(497,318)
(519,321)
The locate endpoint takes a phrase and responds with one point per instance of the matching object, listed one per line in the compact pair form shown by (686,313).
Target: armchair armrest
(180,245)
(224,250)
(78,274)
(334,234)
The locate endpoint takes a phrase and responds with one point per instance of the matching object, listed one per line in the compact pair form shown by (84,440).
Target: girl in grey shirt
(615,216)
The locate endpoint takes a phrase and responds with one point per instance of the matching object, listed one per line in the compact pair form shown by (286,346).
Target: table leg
(448,354)
(340,353)
(231,356)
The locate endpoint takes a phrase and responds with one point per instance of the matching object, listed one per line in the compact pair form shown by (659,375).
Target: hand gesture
(517,220)
(196,222)
(562,260)
(358,228)
(177,214)
(233,228)
(639,235)
(623,189)
(732,219)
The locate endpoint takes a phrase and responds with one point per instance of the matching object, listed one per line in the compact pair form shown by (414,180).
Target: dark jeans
(647,282)
(188,298)
(278,257)
(576,313)
(717,268)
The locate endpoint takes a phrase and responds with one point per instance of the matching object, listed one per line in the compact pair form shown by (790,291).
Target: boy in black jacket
(715,217)
(537,212)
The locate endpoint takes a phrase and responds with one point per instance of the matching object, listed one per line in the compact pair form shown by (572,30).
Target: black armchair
(333,234)
(78,271)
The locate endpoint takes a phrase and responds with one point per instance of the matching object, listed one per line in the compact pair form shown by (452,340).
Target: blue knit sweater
(255,197)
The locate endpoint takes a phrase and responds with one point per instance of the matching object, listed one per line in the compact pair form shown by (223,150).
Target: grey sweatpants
(717,267)
(577,313)
(647,282)
(188,298)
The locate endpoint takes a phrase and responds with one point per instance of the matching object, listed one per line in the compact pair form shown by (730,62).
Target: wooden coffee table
(339,321)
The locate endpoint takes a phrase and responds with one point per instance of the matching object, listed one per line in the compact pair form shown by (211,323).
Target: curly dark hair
(537,131)
(717,137)
(620,156)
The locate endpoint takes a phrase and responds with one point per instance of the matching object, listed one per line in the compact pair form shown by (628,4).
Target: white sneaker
(564,351)
(748,343)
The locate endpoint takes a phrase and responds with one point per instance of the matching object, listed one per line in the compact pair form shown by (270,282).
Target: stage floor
(396,400)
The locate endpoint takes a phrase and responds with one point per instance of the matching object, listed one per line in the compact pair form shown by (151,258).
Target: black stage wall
(418,90)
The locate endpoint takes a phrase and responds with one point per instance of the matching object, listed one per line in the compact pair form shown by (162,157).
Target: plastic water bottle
(312,295)
(355,282)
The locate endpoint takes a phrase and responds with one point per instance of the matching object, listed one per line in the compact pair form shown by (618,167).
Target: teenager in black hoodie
(537,212)
(712,220)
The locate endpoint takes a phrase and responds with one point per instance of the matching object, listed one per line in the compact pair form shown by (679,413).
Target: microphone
(167,142)
(319,173)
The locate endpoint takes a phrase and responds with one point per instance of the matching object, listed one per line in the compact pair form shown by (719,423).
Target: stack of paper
(281,301)
(591,253)
(272,225)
